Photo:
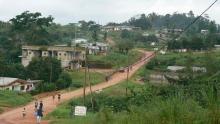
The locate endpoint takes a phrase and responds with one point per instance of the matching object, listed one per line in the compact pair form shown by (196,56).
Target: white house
(179,68)
(15,84)
(96,48)
(79,41)
(204,32)
(217,47)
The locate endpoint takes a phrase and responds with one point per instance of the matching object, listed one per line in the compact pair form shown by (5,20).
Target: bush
(45,87)
(64,81)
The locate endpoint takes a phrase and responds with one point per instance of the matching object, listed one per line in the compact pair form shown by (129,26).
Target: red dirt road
(15,116)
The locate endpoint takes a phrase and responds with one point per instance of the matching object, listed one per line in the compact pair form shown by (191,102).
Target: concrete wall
(67,55)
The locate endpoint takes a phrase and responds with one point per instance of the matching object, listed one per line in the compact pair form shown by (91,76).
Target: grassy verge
(78,78)
(62,113)
(117,60)
(10,99)
(194,103)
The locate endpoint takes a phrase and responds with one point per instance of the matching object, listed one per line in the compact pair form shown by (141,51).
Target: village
(83,63)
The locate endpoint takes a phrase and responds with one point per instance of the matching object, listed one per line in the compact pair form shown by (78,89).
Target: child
(39,115)
(59,97)
(24,113)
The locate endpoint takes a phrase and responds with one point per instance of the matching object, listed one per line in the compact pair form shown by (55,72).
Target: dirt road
(15,116)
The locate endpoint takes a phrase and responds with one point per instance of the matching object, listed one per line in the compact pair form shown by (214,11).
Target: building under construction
(70,57)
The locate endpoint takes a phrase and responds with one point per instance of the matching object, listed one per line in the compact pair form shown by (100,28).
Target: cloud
(103,11)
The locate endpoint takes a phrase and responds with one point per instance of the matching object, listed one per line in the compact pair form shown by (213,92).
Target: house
(15,84)
(204,32)
(199,69)
(70,57)
(153,44)
(180,68)
(217,47)
(172,31)
(119,28)
(96,48)
(175,68)
(181,50)
(79,41)
(162,52)
(157,78)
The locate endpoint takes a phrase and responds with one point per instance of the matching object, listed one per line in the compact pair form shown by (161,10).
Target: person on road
(36,105)
(41,105)
(106,78)
(59,97)
(39,115)
(24,113)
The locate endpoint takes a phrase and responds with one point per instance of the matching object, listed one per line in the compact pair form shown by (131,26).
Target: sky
(104,11)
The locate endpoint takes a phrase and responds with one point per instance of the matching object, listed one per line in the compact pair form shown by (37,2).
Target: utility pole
(90,88)
(51,69)
(85,82)
(128,69)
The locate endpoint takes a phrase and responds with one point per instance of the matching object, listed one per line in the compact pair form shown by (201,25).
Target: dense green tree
(143,22)
(31,28)
(47,69)
(105,36)
(64,80)
(152,38)
(125,34)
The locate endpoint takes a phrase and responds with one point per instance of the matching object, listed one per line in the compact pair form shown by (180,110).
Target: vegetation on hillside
(114,59)
(195,100)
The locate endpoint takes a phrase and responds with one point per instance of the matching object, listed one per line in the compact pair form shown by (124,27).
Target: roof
(195,69)
(80,40)
(218,46)
(6,80)
(51,48)
(175,68)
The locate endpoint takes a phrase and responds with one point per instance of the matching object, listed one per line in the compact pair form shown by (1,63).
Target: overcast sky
(103,11)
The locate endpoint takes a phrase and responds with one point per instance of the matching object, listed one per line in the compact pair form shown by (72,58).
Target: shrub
(64,81)
(45,87)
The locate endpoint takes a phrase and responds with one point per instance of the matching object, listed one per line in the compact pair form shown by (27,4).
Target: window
(29,53)
(64,54)
(59,54)
(22,87)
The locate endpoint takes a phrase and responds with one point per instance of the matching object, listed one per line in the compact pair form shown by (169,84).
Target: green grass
(78,77)
(62,113)
(117,60)
(163,105)
(176,109)
(10,99)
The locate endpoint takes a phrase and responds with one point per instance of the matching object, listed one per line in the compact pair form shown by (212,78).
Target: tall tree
(47,69)
(31,28)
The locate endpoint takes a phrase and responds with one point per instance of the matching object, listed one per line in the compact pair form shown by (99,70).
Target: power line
(193,22)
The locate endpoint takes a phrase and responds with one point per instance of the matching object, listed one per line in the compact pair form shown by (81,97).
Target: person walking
(36,105)
(39,115)
(24,113)
(59,97)
(41,105)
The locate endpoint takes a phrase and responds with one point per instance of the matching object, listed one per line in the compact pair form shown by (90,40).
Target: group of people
(58,97)
(38,109)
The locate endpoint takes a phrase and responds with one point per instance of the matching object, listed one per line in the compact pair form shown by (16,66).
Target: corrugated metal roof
(6,80)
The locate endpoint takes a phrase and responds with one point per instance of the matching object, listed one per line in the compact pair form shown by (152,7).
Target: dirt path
(15,116)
